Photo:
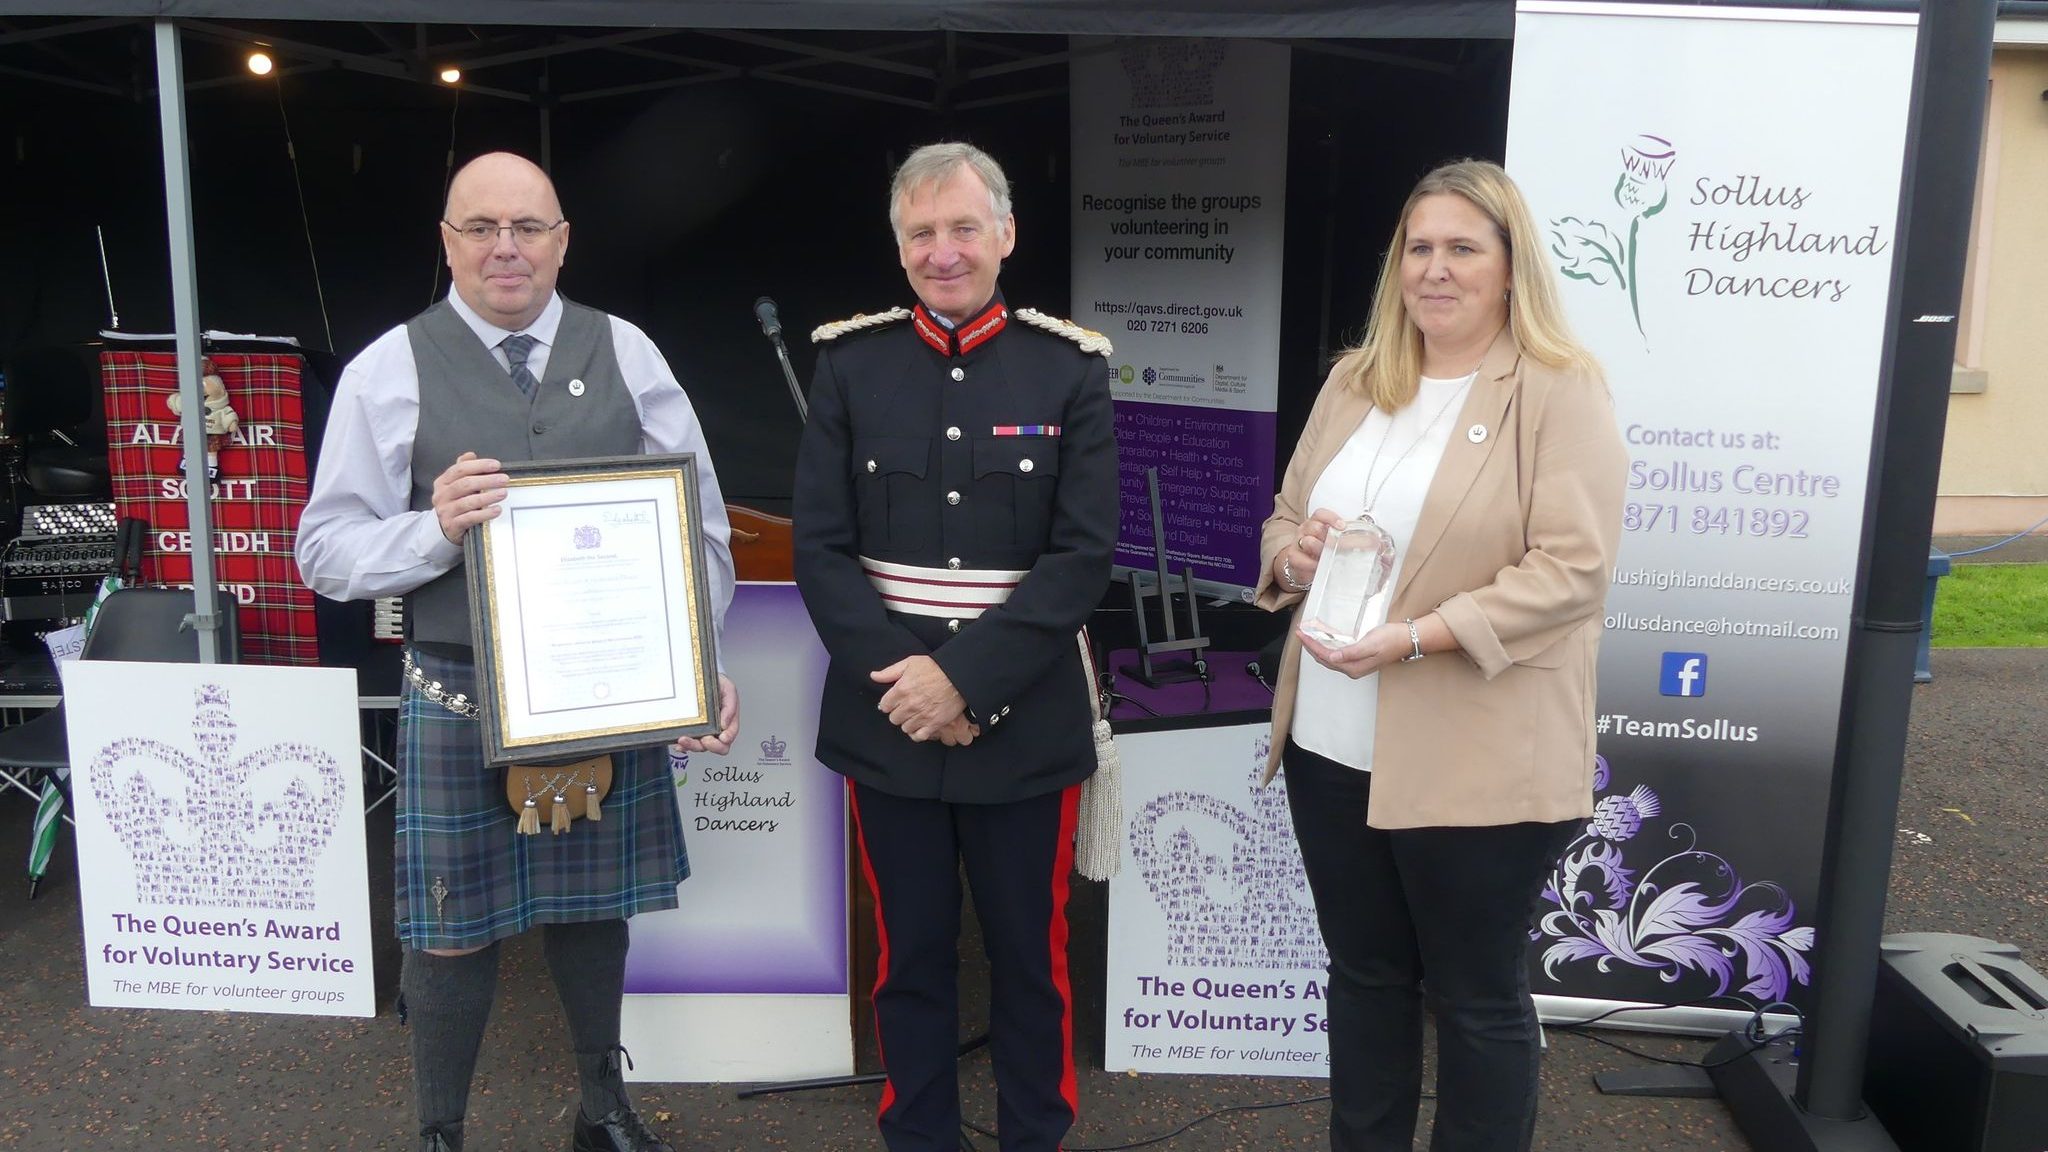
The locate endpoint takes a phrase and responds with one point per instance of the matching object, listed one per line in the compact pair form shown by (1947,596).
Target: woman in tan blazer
(1440,757)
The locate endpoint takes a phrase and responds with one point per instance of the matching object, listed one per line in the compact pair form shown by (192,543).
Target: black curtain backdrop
(684,205)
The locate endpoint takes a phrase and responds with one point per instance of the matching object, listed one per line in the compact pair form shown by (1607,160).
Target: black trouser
(1441,911)
(1017,857)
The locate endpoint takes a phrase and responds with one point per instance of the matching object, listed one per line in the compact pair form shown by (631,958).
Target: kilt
(457,836)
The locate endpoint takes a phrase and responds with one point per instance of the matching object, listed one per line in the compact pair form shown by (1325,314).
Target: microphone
(771,327)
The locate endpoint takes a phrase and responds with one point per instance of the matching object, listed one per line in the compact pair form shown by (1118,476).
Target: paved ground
(2025,550)
(1972,858)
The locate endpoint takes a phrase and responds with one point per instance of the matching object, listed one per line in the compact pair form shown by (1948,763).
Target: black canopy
(1417,19)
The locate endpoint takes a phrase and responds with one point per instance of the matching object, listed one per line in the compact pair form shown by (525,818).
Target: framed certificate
(590,610)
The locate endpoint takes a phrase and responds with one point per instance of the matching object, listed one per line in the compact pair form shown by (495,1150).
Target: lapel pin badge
(1476,433)
(575,387)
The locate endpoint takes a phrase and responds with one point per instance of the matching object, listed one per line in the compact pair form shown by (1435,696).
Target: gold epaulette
(860,322)
(1089,339)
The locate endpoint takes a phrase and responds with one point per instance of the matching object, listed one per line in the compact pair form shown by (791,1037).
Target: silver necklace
(1359,556)
(1372,494)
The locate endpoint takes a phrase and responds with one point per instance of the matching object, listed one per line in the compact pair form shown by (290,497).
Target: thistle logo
(774,750)
(1684,674)
(1589,250)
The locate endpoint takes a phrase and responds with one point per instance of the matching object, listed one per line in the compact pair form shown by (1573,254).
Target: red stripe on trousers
(867,869)
(1062,866)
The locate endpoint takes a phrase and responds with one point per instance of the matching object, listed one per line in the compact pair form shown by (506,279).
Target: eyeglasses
(526,232)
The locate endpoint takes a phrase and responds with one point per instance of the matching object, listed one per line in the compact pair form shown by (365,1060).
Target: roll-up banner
(1716,191)
(748,979)
(1179,185)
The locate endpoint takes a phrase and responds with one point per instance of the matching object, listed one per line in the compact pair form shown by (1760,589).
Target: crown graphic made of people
(217,831)
(1245,907)
(1171,73)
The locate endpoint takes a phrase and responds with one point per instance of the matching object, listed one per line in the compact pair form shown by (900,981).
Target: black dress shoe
(620,1130)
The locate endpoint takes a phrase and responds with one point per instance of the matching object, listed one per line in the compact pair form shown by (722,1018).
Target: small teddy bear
(220,414)
(221,420)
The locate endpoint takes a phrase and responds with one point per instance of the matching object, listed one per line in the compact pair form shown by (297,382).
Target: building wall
(1994,469)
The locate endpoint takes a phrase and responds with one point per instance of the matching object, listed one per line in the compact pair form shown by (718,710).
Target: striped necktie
(517,349)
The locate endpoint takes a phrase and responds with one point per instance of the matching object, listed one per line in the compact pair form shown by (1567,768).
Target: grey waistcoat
(468,403)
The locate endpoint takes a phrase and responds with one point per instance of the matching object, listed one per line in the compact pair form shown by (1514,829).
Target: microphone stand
(789,376)
(771,326)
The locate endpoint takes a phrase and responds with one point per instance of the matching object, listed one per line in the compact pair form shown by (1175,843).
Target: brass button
(952,497)
(1025,466)
(871,465)
(953,562)
(952,625)
(959,373)
(952,433)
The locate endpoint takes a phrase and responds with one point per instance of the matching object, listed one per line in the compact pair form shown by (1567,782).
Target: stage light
(451,75)
(259,63)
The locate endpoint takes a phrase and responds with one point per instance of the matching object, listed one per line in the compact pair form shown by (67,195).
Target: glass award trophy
(1357,561)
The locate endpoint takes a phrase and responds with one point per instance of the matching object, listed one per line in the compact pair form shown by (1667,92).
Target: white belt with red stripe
(953,593)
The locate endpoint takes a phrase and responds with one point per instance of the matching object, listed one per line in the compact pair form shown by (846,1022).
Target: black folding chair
(137,624)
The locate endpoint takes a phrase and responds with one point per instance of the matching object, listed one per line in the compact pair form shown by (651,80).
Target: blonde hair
(1387,365)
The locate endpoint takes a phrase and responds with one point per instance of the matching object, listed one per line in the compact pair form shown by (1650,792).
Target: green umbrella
(49,817)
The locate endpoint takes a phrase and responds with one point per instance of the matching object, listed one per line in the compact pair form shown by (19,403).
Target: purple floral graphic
(1688,912)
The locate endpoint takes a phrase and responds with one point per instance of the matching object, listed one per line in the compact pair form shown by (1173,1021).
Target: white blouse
(1334,715)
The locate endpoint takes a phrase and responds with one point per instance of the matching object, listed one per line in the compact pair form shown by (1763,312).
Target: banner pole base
(1757,1085)
(1665,1082)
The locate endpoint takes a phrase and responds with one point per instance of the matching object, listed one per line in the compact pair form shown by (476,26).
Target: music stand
(1167,671)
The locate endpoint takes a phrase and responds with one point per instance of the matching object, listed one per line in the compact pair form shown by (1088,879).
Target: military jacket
(987,447)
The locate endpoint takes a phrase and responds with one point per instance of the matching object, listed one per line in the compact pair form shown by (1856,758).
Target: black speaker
(1958,1046)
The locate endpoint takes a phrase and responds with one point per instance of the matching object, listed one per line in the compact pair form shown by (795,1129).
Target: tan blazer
(1514,549)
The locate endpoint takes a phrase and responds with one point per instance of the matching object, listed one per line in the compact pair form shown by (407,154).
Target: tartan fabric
(261,489)
(456,833)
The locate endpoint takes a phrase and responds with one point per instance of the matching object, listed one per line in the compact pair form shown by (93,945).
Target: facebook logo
(1684,674)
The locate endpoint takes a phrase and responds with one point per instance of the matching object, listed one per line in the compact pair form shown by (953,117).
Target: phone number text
(1715,520)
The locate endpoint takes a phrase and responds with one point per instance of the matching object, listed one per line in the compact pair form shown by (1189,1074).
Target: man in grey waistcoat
(501,369)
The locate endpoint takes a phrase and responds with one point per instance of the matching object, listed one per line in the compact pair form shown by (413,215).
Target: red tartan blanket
(258,489)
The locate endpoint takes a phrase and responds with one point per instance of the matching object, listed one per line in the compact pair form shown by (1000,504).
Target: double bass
(761,544)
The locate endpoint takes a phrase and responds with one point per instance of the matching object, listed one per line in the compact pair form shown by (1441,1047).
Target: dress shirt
(360,539)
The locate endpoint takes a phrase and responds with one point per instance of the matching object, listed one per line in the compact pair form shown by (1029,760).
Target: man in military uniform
(955,513)
(503,369)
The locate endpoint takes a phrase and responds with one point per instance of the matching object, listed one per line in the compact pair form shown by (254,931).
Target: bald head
(499,173)
(505,279)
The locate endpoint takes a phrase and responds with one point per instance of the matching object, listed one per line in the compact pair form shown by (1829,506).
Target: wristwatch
(1414,643)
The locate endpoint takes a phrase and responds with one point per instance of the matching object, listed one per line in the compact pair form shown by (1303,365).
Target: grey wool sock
(448,1002)
(589,965)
